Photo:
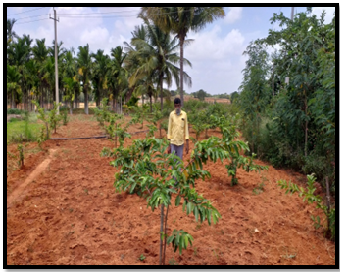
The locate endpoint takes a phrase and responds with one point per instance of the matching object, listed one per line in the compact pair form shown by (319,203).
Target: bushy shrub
(15,111)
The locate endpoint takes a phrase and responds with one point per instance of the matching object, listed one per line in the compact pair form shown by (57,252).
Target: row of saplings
(50,119)
(148,171)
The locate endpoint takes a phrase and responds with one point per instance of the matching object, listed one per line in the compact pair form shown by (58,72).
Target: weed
(215,254)
(259,189)
(141,258)
(172,262)
(264,178)
(71,210)
(86,191)
(195,251)
(198,226)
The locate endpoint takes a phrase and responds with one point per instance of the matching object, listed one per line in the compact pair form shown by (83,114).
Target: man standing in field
(178,130)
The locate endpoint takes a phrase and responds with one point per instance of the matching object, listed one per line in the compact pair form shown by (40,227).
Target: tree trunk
(181,69)
(86,100)
(41,97)
(161,92)
(13,99)
(98,99)
(150,103)
(75,100)
(306,129)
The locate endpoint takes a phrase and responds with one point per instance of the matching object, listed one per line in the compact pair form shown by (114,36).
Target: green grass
(16,130)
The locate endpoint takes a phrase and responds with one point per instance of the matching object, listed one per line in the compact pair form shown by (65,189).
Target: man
(178,130)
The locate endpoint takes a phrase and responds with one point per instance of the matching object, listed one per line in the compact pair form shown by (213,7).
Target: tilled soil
(62,209)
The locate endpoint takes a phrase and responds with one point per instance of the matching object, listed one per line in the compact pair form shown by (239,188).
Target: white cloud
(216,59)
(234,14)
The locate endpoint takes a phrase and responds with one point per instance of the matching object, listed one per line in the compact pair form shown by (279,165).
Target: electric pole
(292,13)
(56,58)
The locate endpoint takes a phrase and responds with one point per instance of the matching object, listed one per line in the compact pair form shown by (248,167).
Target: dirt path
(72,214)
(18,192)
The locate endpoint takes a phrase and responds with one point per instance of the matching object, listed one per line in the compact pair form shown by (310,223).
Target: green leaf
(196,213)
(177,201)
(209,216)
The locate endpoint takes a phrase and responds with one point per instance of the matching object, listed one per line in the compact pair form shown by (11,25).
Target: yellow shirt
(178,128)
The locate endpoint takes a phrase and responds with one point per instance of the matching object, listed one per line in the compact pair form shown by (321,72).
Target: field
(62,209)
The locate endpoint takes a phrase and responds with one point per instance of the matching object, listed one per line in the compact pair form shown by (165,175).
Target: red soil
(67,212)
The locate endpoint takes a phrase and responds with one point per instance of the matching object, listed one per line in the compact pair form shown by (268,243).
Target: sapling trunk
(47,136)
(116,135)
(161,246)
(166,221)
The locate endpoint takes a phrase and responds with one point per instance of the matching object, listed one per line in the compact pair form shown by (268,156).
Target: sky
(215,54)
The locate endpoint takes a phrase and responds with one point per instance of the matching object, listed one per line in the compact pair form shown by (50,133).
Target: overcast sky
(216,53)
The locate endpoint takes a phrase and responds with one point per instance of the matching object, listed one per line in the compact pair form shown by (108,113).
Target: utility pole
(292,13)
(56,58)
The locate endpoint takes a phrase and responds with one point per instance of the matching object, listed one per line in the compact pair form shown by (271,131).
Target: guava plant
(102,114)
(43,116)
(140,114)
(200,122)
(117,130)
(53,117)
(233,146)
(148,171)
(21,149)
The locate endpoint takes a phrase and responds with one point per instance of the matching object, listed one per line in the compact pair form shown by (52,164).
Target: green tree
(117,77)
(84,65)
(179,21)
(158,52)
(13,85)
(100,70)
(11,34)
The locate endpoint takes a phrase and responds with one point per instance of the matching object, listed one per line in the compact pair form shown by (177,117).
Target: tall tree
(13,85)
(11,34)
(157,51)
(117,77)
(40,54)
(179,20)
(100,70)
(84,65)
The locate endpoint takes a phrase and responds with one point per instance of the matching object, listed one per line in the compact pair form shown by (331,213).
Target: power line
(31,16)
(101,12)
(96,15)
(31,21)
(26,11)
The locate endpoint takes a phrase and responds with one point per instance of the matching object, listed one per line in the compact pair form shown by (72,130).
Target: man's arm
(186,134)
(169,133)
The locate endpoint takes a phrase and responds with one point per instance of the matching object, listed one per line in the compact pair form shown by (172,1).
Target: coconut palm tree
(84,65)
(158,52)
(179,20)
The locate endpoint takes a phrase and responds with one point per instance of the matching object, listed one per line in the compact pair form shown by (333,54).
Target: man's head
(177,104)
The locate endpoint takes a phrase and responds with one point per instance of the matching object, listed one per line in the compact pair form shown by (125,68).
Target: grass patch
(16,131)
